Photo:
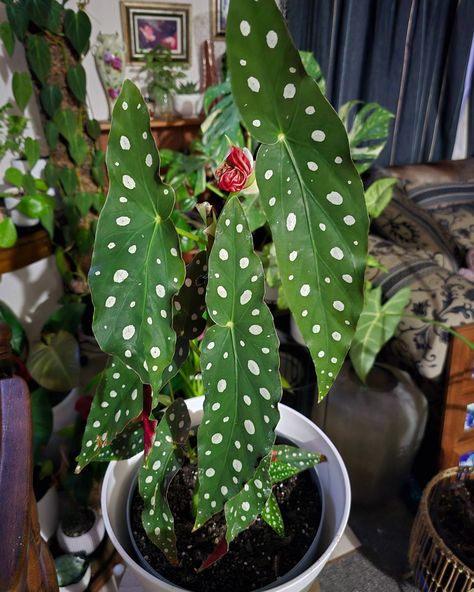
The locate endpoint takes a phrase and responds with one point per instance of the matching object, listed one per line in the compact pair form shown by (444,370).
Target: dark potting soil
(453,517)
(256,558)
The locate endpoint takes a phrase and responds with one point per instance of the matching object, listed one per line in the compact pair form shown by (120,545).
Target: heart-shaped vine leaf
(377,324)
(190,302)
(117,402)
(162,464)
(39,56)
(76,80)
(77,28)
(78,149)
(239,363)
(136,267)
(289,460)
(125,445)
(311,193)
(67,124)
(18,17)
(93,128)
(68,180)
(6,35)
(22,89)
(51,97)
(272,515)
(32,151)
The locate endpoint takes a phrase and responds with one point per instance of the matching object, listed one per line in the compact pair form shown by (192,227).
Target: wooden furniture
(25,562)
(455,440)
(176,134)
(29,248)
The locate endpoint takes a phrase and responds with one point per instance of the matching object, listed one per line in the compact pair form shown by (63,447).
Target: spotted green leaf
(117,402)
(288,461)
(272,516)
(243,509)
(190,302)
(162,464)
(310,190)
(125,445)
(239,363)
(136,267)
(377,324)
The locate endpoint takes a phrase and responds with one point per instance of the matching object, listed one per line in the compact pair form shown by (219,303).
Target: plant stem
(215,190)
(191,236)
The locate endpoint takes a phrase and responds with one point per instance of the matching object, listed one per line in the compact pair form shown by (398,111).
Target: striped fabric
(432,197)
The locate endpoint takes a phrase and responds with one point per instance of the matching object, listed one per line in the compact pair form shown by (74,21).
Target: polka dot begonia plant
(148,305)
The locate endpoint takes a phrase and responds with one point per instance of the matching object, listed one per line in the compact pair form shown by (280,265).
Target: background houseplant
(164,76)
(307,183)
(188,100)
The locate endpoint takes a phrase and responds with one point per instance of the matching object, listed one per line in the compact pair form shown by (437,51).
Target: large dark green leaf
(136,268)
(22,88)
(18,16)
(239,366)
(6,35)
(46,14)
(51,97)
(161,465)
(117,402)
(77,28)
(310,191)
(54,364)
(39,56)
(125,445)
(377,324)
(76,80)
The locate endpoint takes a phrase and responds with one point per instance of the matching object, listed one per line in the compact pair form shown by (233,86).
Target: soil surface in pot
(256,558)
(452,514)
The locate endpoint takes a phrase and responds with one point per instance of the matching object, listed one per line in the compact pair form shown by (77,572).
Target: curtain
(411,56)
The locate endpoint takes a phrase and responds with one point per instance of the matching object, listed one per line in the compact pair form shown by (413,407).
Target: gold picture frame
(146,24)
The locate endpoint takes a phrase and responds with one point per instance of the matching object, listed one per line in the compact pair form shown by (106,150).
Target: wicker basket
(435,568)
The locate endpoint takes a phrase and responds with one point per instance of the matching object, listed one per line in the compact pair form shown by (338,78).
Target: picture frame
(146,24)
(219,11)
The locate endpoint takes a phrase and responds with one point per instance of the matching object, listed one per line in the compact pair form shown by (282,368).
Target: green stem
(191,236)
(195,349)
(215,190)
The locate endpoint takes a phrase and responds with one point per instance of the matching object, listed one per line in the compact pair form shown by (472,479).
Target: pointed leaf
(313,69)
(68,180)
(52,135)
(55,365)
(32,151)
(243,509)
(18,16)
(288,461)
(93,128)
(8,234)
(117,402)
(76,80)
(136,268)
(14,176)
(39,56)
(254,211)
(51,97)
(239,365)
(272,516)
(77,28)
(66,121)
(377,324)
(190,302)
(311,193)
(162,464)
(22,89)
(78,149)
(6,35)
(379,195)
(125,445)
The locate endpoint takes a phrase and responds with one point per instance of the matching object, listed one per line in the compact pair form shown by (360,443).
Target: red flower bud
(236,172)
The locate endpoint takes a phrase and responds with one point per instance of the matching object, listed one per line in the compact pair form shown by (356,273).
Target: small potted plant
(150,307)
(164,79)
(188,100)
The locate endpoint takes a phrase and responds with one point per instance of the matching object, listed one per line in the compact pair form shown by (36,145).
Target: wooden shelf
(29,248)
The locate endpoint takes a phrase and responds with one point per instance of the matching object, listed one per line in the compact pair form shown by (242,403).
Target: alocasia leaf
(311,193)
(161,465)
(272,515)
(117,402)
(239,363)
(377,324)
(136,267)
(288,461)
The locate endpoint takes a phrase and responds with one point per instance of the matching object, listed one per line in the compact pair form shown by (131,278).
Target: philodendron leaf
(379,195)
(136,267)
(51,97)
(161,465)
(55,364)
(125,445)
(7,36)
(310,191)
(22,88)
(272,516)
(39,56)
(32,151)
(67,124)
(77,28)
(239,363)
(118,401)
(76,80)
(190,302)
(289,460)
(377,324)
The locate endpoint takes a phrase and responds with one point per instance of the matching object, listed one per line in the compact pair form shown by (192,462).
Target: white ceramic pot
(294,426)
(188,105)
(79,586)
(48,513)
(85,543)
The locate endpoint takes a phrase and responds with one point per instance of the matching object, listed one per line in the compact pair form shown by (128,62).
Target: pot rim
(194,406)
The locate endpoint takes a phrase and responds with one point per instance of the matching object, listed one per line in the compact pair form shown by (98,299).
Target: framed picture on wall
(219,11)
(147,24)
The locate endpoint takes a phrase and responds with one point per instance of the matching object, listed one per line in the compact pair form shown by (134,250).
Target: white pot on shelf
(188,105)
(293,426)
(85,543)
(79,586)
